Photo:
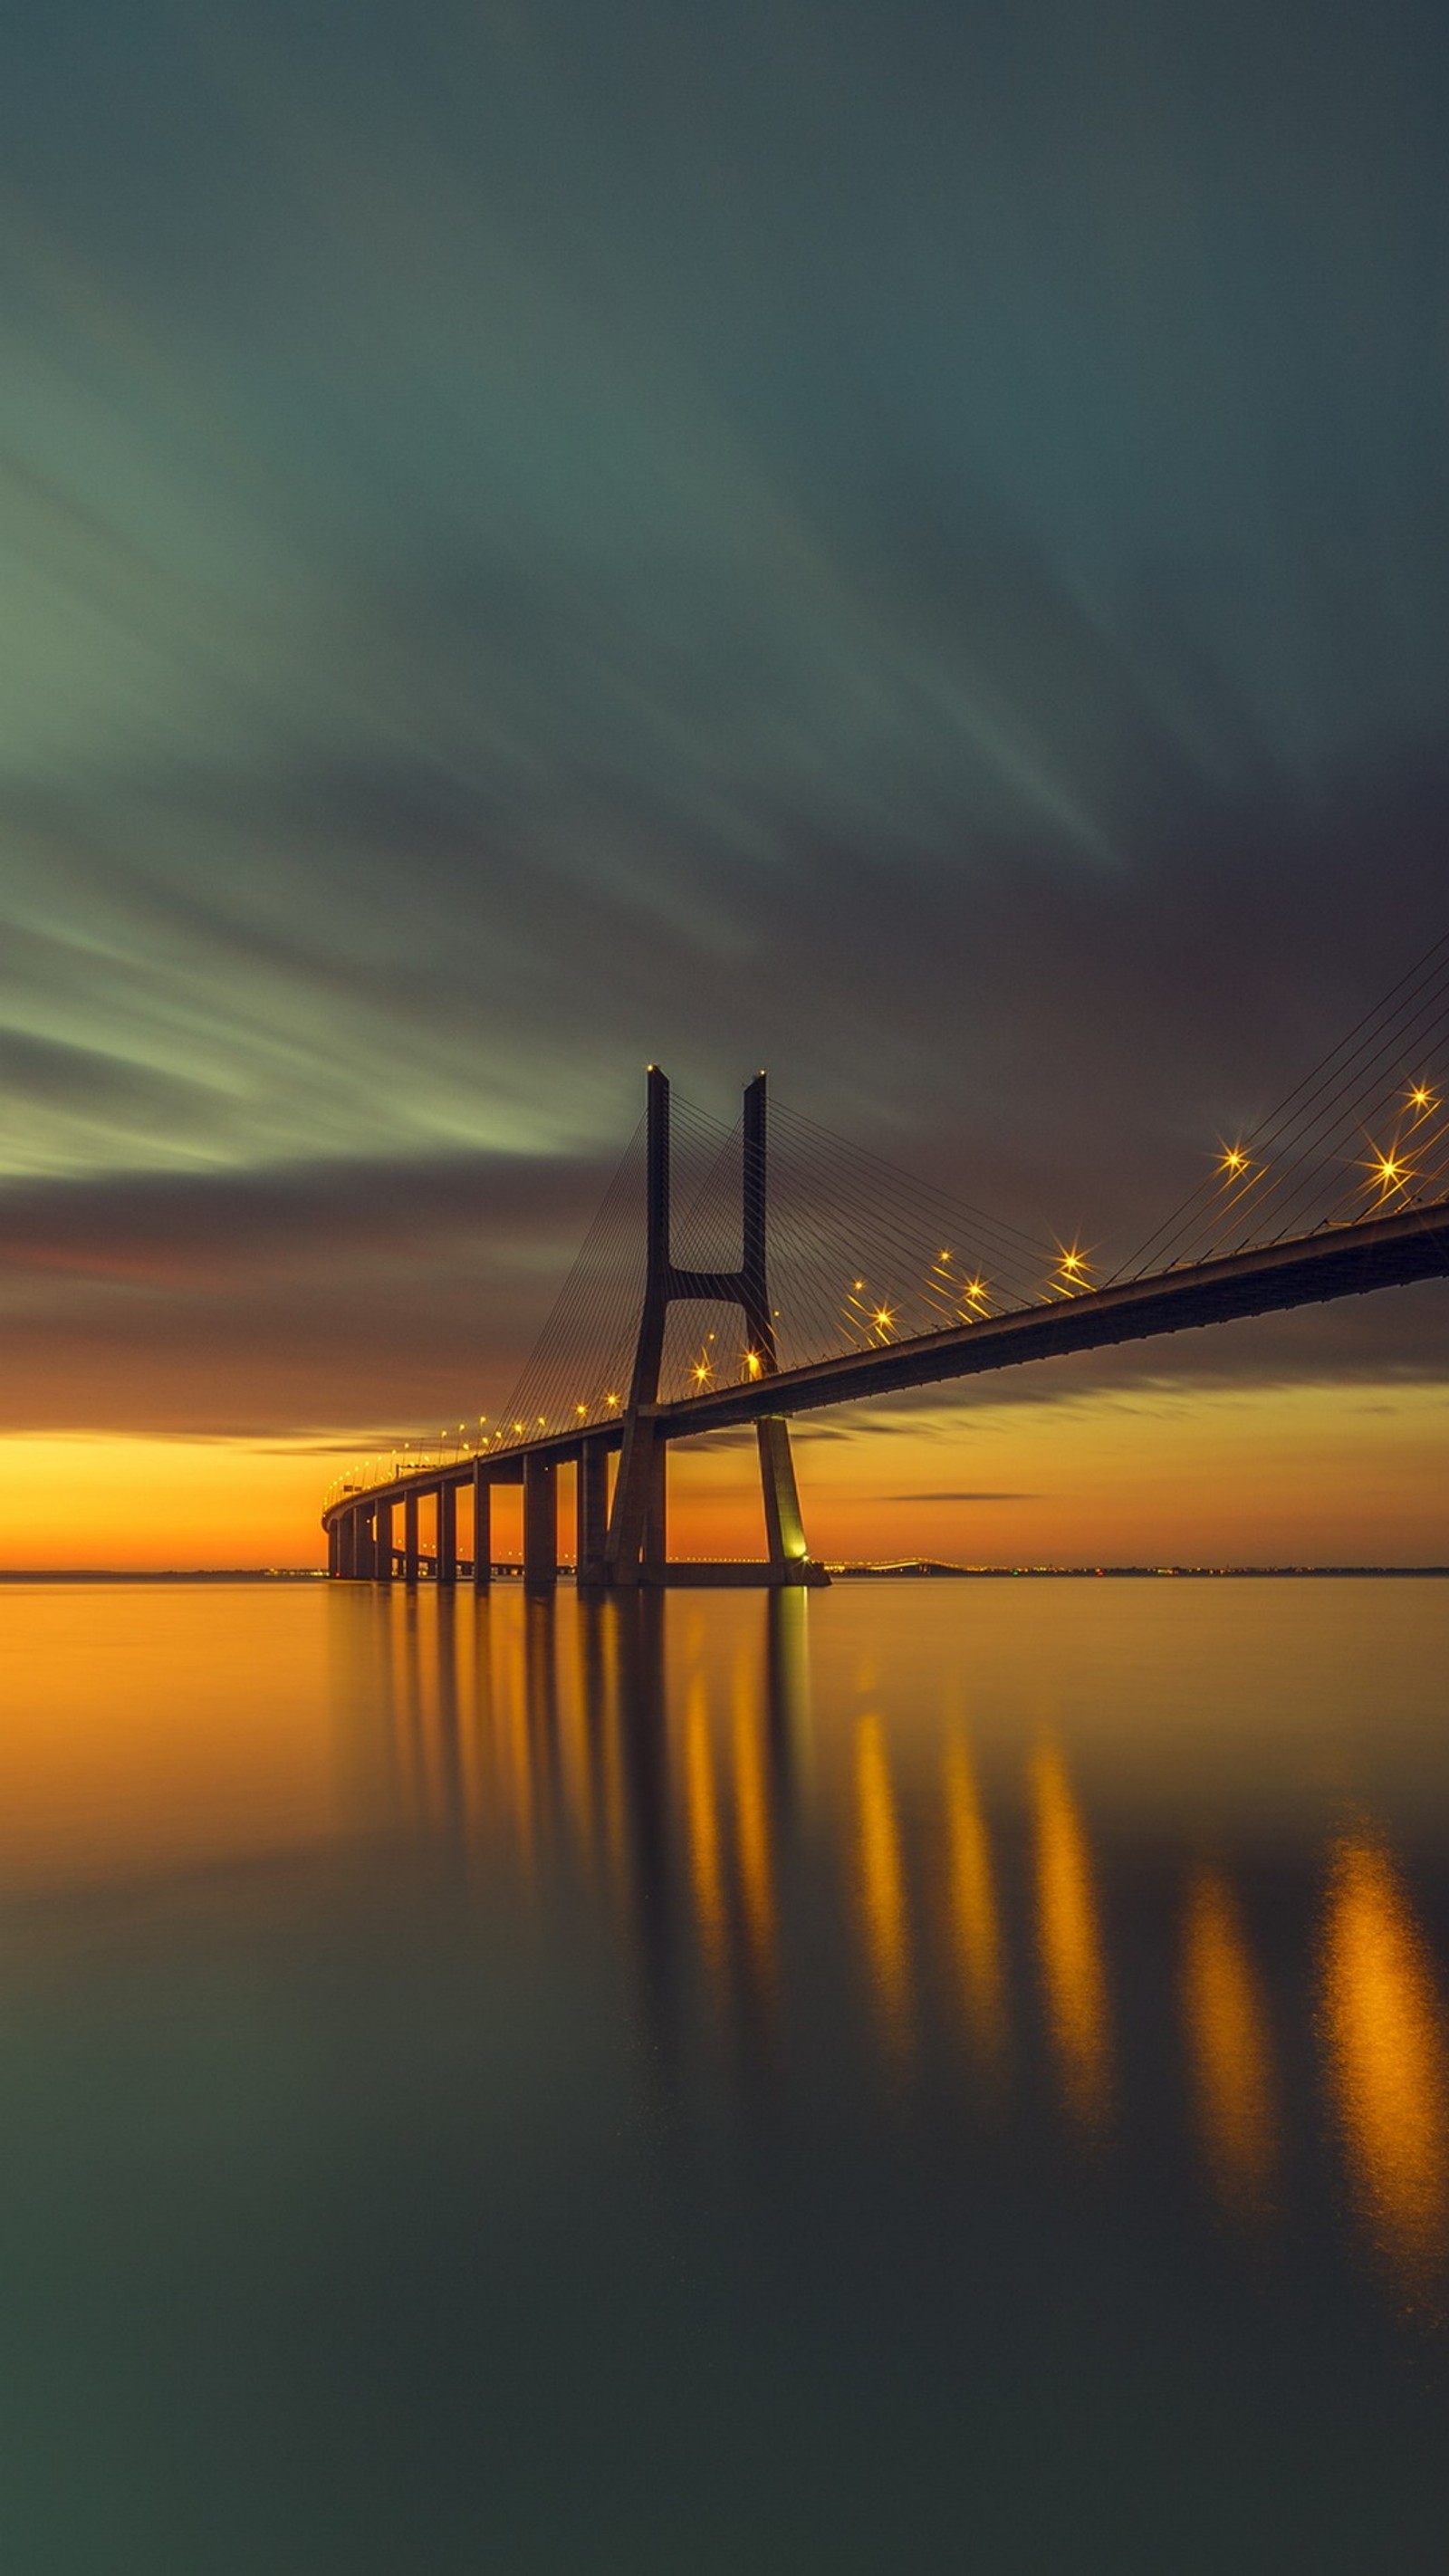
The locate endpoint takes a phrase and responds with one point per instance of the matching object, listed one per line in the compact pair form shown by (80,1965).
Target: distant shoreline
(164,1574)
(925,1570)
(910,1570)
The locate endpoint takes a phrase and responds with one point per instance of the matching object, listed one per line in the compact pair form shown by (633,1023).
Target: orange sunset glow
(1285,1476)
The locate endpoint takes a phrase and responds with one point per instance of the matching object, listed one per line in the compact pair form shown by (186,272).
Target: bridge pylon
(635,1549)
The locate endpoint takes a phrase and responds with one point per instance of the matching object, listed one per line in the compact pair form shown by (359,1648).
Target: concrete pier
(482,1527)
(540,1521)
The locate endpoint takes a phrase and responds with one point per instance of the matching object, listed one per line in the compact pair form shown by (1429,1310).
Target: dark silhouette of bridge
(1297,1215)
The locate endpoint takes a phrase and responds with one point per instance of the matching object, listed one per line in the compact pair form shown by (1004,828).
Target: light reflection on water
(1069,1940)
(702,1803)
(677,1763)
(924,2014)
(973,1909)
(1229,2044)
(881,1880)
(1384,2027)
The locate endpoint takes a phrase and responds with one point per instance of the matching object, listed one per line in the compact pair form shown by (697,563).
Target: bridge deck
(1340,1261)
(1344,1261)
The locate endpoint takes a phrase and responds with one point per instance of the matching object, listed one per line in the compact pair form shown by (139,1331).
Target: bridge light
(581,1410)
(1234,1159)
(611,1399)
(752,1363)
(1421,1098)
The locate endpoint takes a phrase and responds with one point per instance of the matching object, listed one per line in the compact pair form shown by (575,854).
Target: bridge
(1340,1191)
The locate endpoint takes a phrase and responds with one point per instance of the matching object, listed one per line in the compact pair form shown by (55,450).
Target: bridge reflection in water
(792,1895)
(1230,2046)
(1385,2032)
(1070,1942)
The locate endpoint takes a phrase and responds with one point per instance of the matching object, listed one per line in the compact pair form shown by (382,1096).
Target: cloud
(469,637)
(318,1297)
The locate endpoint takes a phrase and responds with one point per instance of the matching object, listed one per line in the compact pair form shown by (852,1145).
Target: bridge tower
(635,1548)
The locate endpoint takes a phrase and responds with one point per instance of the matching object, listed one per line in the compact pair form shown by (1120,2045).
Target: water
(941,2075)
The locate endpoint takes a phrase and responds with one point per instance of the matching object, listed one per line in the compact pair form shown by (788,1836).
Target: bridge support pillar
(382,1543)
(410,1538)
(784,1528)
(635,1489)
(482,1528)
(654,1551)
(334,1547)
(593,1510)
(447,1533)
(540,1521)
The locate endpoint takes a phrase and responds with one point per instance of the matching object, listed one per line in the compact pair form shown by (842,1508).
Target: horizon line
(899,1568)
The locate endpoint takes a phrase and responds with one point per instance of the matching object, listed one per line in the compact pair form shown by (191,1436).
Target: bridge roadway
(1338,1261)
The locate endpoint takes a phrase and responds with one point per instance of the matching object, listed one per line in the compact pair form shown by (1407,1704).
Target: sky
(904,545)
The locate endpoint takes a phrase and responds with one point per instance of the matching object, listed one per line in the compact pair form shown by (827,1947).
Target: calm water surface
(930,2075)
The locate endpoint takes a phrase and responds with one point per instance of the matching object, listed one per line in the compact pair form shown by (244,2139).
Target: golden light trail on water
(577,1758)
(513,1692)
(702,1810)
(1388,2070)
(974,1917)
(1229,2045)
(1069,1945)
(881,1885)
(753,1849)
(609,1682)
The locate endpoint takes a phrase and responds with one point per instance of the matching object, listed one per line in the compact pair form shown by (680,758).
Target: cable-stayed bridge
(738,1278)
